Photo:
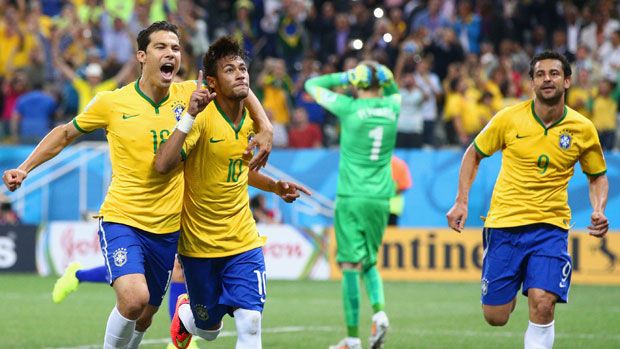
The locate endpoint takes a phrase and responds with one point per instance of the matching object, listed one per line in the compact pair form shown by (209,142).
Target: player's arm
(288,191)
(320,89)
(169,154)
(599,188)
(469,169)
(52,144)
(264,138)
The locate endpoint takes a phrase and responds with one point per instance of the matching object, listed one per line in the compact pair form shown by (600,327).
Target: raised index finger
(199,81)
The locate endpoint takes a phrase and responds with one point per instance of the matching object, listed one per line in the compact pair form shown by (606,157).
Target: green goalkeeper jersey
(368,136)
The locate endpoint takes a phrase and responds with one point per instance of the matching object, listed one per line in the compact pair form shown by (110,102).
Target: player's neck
(362,94)
(549,113)
(232,108)
(155,93)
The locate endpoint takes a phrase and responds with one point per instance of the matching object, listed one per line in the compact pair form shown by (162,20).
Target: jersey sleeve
(96,114)
(592,160)
(336,103)
(493,137)
(194,134)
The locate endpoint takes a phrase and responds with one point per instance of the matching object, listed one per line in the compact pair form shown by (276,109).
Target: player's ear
(211,83)
(567,81)
(141,56)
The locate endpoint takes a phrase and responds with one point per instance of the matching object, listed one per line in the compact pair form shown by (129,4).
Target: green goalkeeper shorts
(360,224)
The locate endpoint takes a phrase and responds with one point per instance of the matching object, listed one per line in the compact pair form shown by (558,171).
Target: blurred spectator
(429,83)
(580,94)
(468,27)
(262,214)
(329,32)
(402,181)
(410,122)
(276,86)
(302,133)
(280,134)
(94,83)
(604,111)
(445,51)
(12,89)
(7,215)
(291,33)
(431,18)
(34,115)
(601,29)
(117,42)
(610,57)
(16,43)
(243,28)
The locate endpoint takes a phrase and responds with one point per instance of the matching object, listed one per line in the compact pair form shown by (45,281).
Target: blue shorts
(535,256)
(129,250)
(218,286)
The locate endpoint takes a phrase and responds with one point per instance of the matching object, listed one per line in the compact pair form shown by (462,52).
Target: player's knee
(133,306)
(248,322)
(496,318)
(544,309)
(210,335)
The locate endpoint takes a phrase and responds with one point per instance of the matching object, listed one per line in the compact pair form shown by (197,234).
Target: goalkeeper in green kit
(368,124)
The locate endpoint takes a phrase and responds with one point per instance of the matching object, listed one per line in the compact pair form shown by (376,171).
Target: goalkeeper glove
(384,75)
(360,76)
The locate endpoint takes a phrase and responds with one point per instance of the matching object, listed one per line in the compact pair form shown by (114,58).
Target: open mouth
(167,71)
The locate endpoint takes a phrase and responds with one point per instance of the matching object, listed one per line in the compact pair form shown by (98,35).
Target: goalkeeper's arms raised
(320,89)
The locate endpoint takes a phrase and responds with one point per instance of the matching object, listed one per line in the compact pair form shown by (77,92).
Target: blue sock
(176,289)
(98,274)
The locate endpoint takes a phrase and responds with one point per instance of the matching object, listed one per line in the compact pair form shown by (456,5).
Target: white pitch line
(286,329)
(418,332)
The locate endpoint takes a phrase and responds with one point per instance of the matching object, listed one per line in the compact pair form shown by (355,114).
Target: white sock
(248,324)
(136,338)
(118,331)
(539,336)
(187,317)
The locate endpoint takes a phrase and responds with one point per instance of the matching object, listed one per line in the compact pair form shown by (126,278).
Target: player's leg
(159,256)
(177,288)
(351,251)
(501,273)
(199,313)
(548,279)
(372,215)
(244,284)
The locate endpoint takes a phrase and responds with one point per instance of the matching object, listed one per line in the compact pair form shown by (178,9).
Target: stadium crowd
(457,62)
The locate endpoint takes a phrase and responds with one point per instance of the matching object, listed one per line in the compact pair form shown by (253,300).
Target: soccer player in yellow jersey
(525,235)
(220,247)
(140,217)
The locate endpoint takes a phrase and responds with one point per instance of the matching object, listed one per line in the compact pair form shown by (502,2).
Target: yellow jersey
(216,220)
(604,113)
(537,163)
(86,92)
(135,127)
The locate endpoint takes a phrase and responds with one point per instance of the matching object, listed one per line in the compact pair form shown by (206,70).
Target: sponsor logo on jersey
(120,257)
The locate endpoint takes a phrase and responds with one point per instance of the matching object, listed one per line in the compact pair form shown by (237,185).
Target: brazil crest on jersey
(216,220)
(368,136)
(135,127)
(537,163)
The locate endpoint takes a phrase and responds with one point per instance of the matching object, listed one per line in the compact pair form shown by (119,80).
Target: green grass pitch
(308,315)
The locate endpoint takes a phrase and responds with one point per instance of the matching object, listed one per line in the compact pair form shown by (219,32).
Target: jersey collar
(229,121)
(542,123)
(155,105)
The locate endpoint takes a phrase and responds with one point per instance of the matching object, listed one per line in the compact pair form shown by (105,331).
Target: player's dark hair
(551,55)
(144,37)
(224,47)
